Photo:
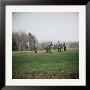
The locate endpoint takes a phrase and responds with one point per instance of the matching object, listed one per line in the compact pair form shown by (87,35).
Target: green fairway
(42,65)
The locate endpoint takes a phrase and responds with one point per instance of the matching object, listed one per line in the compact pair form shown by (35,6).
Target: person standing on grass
(49,47)
(64,45)
(59,46)
(46,49)
(35,47)
(27,46)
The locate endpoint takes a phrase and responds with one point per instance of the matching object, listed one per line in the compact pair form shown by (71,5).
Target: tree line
(22,41)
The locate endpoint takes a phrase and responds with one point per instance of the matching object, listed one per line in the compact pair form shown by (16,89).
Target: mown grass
(42,65)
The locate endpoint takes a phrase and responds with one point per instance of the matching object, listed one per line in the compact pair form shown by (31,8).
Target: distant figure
(35,47)
(59,46)
(27,46)
(54,46)
(64,45)
(51,47)
(46,49)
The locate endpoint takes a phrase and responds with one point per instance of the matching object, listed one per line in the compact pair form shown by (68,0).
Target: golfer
(59,46)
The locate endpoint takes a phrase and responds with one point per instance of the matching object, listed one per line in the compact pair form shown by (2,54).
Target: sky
(48,26)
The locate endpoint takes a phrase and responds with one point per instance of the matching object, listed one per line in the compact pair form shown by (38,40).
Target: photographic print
(45,45)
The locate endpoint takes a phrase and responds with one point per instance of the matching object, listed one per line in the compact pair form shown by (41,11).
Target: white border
(82,45)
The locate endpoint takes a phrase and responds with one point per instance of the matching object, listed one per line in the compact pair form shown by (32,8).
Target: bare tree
(24,41)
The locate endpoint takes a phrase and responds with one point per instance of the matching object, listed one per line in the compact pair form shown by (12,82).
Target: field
(42,65)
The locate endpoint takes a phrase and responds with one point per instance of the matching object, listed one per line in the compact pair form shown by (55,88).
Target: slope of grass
(42,65)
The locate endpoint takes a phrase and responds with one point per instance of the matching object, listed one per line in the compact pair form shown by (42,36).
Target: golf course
(45,65)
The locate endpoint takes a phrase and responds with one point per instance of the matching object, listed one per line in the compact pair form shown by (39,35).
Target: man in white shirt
(59,46)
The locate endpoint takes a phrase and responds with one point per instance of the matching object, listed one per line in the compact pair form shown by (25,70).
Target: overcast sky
(47,26)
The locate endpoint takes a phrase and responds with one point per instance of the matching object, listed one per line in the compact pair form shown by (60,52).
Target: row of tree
(21,40)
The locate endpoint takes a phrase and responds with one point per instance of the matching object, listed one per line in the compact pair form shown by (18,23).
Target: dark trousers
(49,48)
(64,48)
(59,49)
